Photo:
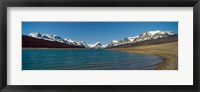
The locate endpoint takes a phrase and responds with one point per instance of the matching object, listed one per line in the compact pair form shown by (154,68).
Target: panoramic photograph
(99,45)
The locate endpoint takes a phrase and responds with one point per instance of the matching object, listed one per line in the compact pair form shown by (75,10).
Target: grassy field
(168,51)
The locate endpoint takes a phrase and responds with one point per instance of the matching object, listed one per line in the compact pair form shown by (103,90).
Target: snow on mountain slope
(74,42)
(97,45)
(35,35)
(132,38)
(46,37)
(142,37)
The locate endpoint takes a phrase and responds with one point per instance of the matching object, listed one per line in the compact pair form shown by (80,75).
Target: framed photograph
(129,45)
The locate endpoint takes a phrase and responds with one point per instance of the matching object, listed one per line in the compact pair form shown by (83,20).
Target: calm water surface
(90,59)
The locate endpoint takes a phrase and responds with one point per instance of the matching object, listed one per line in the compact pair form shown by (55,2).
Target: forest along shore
(168,51)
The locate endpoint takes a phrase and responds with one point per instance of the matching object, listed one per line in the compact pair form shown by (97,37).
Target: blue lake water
(87,59)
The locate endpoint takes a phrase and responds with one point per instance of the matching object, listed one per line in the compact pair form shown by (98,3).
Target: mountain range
(154,36)
(147,36)
(31,42)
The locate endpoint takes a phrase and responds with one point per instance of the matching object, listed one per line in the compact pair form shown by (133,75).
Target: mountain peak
(35,34)
(161,32)
(156,31)
(97,43)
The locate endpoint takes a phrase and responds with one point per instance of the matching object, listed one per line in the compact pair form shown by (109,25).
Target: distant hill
(30,42)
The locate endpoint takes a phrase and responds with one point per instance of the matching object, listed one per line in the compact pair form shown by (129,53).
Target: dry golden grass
(169,52)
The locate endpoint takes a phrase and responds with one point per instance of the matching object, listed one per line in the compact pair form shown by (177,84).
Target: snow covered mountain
(97,45)
(142,37)
(139,38)
(46,37)
(74,42)
(57,38)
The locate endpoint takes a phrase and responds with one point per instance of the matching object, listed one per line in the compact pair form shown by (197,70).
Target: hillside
(30,42)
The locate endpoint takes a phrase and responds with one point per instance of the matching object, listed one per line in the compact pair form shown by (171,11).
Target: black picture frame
(98,3)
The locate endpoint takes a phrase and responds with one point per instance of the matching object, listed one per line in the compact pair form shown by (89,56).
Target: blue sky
(92,32)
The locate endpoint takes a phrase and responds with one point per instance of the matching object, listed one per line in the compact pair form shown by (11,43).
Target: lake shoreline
(170,59)
(162,57)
